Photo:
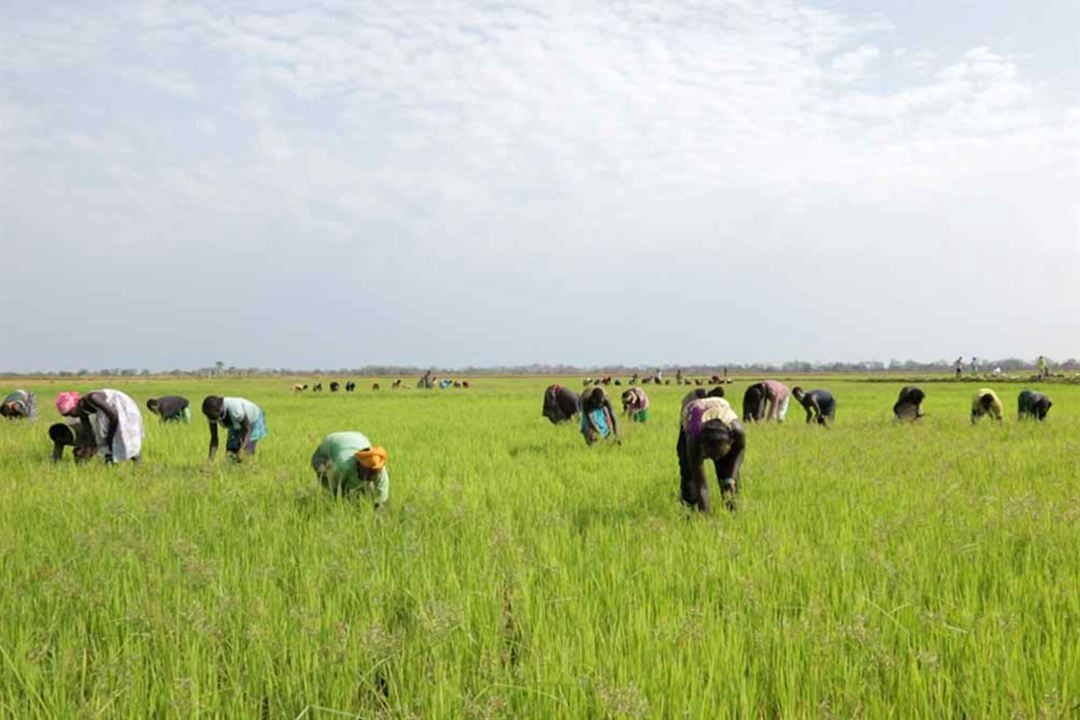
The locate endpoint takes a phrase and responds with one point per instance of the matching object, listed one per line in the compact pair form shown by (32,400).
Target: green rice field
(872,570)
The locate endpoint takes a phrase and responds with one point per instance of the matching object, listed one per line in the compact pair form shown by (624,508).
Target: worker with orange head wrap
(347,463)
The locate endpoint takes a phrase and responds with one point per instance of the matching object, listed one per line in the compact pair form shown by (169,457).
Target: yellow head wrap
(374,458)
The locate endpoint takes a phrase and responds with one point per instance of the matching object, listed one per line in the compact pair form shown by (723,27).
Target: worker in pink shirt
(778,397)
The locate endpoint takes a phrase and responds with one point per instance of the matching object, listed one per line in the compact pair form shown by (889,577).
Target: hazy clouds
(452,183)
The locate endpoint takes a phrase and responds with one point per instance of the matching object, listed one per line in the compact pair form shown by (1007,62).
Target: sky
(327,185)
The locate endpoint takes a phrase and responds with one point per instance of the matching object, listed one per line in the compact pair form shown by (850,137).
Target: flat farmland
(871,570)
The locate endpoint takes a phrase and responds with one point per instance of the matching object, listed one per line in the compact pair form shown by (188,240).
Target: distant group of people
(1042,365)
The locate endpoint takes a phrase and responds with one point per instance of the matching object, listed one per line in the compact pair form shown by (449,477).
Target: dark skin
(11,410)
(95,403)
(215,415)
(726,450)
(813,410)
(594,400)
(909,404)
(71,436)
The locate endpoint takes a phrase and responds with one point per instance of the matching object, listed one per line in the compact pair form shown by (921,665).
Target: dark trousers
(688,488)
(232,443)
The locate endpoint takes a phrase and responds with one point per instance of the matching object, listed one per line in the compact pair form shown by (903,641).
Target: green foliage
(872,570)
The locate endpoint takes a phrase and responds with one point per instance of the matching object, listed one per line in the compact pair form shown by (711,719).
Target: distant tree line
(219,369)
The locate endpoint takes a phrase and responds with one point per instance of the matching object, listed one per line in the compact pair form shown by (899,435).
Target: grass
(873,570)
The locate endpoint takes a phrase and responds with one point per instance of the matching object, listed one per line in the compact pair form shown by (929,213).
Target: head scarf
(66,402)
(374,458)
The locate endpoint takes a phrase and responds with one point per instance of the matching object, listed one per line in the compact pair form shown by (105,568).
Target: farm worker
(560,404)
(171,408)
(768,400)
(1032,404)
(908,405)
(820,405)
(635,403)
(986,402)
(245,421)
(778,397)
(347,463)
(753,403)
(111,418)
(709,429)
(597,416)
(73,434)
(1044,367)
(19,404)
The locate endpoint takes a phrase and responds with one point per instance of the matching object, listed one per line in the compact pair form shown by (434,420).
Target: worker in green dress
(347,463)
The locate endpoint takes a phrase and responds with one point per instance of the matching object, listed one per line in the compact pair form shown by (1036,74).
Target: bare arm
(246,426)
(213,440)
(727,468)
(614,422)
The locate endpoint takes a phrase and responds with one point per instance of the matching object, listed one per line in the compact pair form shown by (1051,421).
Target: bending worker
(709,429)
(347,463)
(1033,405)
(635,403)
(244,420)
(171,408)
(753,403)
(560,404)
(766,400)
(110,417)
(71,434)
(909,404)
(19,405)
(597,416)
(986,402)
(820,405)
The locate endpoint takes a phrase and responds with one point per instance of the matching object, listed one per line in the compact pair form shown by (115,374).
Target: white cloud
(854,66)
(918,60)
(173,83)
(548,130)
